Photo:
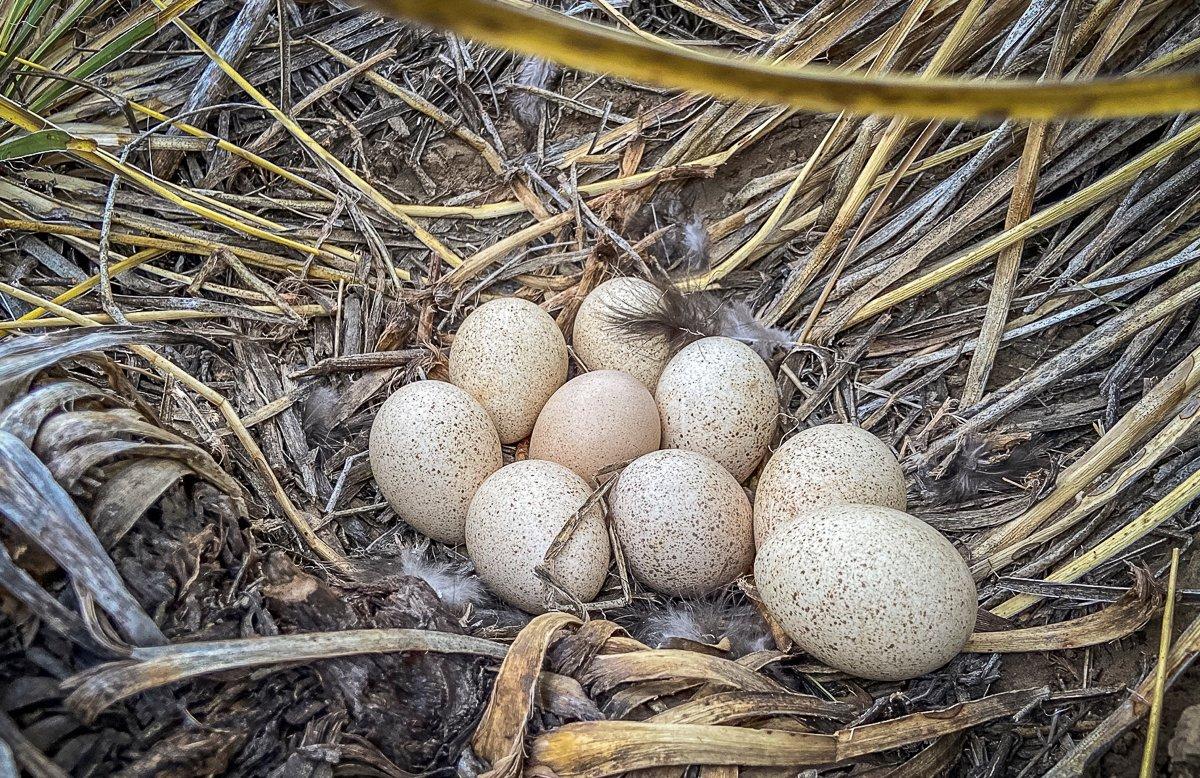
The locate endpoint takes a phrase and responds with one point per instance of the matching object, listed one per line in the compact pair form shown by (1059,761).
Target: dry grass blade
(16,749)
(1147,413)
(98,688)
(1044,219)
(1150,749)
(1176,500)
(1019,208)
(1122,618)
(594,749)
(533,31)
(297,519)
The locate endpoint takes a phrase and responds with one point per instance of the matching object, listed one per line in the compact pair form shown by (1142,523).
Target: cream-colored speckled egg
(600,347)
(595,420)
(515,515)
(717,397)
(683,522)
(431,447)
(510,356)
(832,463)
(868,590)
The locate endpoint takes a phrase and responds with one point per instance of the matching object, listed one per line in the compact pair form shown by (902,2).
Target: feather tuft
(679,319)
(319,409)
(739,323)
(671,317)
(696,245)
(528,108)
(981,465)
(707,621)
(454,583)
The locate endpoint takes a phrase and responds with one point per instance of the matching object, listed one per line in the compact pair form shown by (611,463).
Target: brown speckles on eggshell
(595,420)
(431,447)
(510,356)
(514,517)
(683,522)
(717,397)
(868,590)
(823,465)
(600,346)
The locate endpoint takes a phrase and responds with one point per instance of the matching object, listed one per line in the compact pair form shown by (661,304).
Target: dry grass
(230,231)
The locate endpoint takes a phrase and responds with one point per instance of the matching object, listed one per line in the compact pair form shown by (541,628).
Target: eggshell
(868,590)
(514,517)
(717,397)
(510,356)
(683,522)
(832,463)
(595,420)
(431,447)
(598,344)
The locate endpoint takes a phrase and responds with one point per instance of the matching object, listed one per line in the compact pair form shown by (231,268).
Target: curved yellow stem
(531,30)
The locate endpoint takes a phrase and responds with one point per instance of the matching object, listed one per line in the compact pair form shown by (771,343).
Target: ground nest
(230,231)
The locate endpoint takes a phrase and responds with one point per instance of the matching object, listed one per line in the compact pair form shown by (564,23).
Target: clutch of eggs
(852,579)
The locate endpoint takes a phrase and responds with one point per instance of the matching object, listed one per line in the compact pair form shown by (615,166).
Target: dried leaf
(736,707)
(500,738)
(595,749)
(1124,617)
(99,687)
(24,416)
(32,500)
(24,356)
(130,490)
(608,671)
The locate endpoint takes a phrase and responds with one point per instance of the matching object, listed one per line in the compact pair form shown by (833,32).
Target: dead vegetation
(230,231)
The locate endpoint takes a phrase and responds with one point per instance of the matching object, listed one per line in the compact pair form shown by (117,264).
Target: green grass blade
(36,143)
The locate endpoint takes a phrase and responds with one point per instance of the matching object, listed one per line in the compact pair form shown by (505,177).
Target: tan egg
(510,356)
(868,590)
(832,463)
(717,397)
(600,347)
(515,516)
(431,447)
(683,522)
(595,420)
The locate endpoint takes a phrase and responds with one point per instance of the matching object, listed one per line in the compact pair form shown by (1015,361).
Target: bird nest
(232,231)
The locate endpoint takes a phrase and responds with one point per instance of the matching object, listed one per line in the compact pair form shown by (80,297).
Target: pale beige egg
(831,463)
(868,590)
(514,517)
(600,346)
(717,397)
(683,522)
(431,447)
(510,356)
(595,420)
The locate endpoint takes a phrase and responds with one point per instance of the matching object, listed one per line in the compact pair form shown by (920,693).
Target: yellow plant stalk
(535,31)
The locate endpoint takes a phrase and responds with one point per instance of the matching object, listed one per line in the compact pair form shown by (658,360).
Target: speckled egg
(431,447)
(868,590)
(595,420)
(510,356)
(515,515)
(717,397)
(683,522)
(600,346)
(832,463)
